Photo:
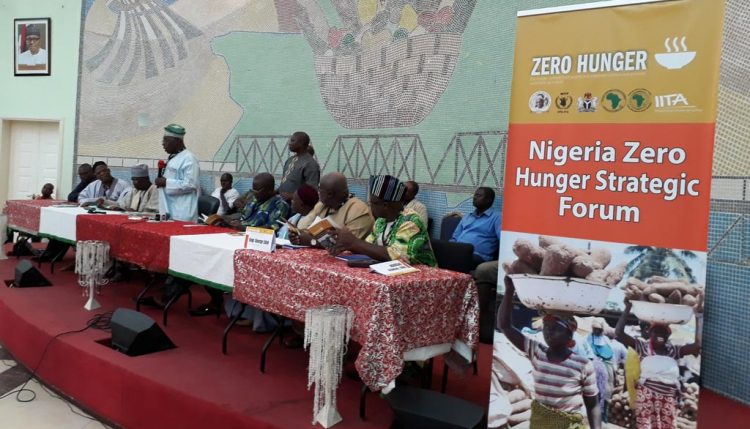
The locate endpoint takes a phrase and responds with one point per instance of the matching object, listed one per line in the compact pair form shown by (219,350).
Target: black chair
(207,205)
(448,225)
(459,257)
(453,255)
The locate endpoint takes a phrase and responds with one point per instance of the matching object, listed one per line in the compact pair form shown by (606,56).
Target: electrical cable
(100,321)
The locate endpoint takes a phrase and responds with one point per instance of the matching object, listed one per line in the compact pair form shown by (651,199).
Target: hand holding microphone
(160,181)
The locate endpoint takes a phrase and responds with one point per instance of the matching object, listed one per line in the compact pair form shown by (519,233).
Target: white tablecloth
(207,259)
(60,222)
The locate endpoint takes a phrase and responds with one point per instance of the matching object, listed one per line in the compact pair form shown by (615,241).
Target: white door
(34,158)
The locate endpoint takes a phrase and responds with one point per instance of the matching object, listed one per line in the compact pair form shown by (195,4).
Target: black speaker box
(28,276)
(136,334)
(426,409)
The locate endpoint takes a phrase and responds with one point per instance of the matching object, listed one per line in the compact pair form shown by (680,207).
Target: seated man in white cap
(144,197)
(180,181)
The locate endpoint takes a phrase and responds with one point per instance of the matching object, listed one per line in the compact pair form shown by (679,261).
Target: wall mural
(357,75)
(406,87)
(391,61)
(378,63)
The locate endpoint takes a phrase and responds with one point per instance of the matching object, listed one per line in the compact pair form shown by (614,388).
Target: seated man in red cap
(303,201)
(396,234)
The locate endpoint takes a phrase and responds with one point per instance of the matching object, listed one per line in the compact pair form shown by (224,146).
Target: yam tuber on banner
(605,217)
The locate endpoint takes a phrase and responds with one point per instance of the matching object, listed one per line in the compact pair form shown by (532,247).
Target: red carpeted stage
(194,385)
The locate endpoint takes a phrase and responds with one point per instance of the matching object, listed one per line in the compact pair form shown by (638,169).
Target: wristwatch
(313,242)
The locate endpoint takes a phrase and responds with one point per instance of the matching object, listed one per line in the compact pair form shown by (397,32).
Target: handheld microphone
(162,165)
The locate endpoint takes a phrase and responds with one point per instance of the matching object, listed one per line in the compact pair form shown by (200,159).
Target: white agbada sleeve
(88,195)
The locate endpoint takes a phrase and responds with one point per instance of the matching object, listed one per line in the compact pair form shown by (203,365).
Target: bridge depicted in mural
(476,158)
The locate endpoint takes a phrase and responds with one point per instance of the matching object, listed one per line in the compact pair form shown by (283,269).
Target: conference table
(59,222)
(206,259)
(410,317)
(413,316)
(137,241)
(24,215)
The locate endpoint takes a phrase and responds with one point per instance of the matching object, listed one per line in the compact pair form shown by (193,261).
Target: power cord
(100,321)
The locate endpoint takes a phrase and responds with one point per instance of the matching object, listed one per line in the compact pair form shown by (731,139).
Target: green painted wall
(43,97)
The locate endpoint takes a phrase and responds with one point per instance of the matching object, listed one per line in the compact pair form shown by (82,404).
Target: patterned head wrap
(387,188)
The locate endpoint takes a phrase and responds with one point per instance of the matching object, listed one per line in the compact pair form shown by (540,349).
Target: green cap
(174,130)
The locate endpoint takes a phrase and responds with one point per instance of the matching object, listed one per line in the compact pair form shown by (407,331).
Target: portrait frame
(28,32)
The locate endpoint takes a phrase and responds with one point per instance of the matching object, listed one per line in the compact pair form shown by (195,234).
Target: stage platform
(192,386)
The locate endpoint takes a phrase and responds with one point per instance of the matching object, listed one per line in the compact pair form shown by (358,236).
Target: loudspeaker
(426,409)
(136,334)
(28,276)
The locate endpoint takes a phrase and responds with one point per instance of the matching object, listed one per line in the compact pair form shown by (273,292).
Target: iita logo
(613,100)
(587,103)
(676,100)
(539,102)
(639,100)
(676,56)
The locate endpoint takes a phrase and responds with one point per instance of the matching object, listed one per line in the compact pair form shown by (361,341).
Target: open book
(324,232)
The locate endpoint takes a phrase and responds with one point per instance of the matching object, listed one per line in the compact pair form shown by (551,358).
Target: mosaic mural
(418,83)
(377,64)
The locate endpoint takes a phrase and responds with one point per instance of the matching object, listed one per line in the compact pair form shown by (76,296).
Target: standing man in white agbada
(180,181)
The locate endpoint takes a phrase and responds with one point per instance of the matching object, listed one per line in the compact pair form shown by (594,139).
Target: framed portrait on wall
(33,51)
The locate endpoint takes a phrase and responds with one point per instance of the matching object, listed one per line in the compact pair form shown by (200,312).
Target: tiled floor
(46,411)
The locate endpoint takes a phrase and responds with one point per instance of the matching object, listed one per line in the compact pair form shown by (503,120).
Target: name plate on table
(261,239)
(393,268)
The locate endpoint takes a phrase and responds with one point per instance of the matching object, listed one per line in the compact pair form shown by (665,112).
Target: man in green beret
(180,178)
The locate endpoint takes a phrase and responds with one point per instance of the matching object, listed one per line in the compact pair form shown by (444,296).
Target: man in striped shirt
(564,382)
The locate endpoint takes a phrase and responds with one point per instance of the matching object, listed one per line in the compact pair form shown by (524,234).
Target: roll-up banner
(605,217)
